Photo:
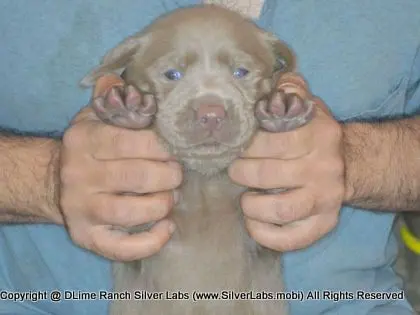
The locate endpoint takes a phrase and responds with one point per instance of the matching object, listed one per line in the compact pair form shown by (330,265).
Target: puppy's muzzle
(210,116)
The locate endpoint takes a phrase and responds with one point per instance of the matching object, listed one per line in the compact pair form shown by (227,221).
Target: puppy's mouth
(206,151)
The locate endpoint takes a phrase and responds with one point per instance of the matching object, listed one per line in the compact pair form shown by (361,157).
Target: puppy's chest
(208,216)
(209,239)
(208,211)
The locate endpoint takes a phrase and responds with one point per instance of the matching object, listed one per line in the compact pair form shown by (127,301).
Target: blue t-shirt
(362,57)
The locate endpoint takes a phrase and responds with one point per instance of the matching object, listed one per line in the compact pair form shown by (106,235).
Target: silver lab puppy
(204,79)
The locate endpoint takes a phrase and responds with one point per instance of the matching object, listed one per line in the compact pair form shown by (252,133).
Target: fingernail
(171,227)
(176,196)
(105,83)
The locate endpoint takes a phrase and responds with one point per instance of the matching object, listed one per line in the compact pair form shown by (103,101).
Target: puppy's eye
(173,74)
(240,72)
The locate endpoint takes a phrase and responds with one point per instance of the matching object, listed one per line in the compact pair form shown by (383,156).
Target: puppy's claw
(126,107)
(295,106)
(114,99)
(277,105)
(149,105)
(283,112)
(132,97)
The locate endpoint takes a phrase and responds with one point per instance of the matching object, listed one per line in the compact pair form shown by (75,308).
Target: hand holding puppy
(309,162)
(98,163)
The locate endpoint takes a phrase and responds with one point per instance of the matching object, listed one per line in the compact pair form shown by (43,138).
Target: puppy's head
(207,67)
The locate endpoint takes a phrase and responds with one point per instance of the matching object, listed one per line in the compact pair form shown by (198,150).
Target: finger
(105,83)
(85,114)
(109,142)
(292,236)
(287,145)
(120,246)
(294,83)
(129,211)
(269,173)
(137,176)
(278,208)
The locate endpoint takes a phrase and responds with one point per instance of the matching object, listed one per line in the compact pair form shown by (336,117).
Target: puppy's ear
(285,60)
(117,59)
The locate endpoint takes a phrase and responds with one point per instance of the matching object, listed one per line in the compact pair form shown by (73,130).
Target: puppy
(204,79)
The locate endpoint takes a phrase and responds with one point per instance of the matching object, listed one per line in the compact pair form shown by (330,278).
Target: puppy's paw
(283,111)
(125,107)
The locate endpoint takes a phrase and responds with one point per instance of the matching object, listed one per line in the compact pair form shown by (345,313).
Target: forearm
(28,179)
(383,164)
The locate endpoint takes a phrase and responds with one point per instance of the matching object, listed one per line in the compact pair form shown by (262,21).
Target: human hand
(100,162)
(308,162)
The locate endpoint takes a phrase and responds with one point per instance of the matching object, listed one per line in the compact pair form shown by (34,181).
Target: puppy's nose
(211,116)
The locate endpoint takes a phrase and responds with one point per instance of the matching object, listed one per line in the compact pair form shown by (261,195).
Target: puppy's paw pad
(283,111)
(132,97)
(126,107)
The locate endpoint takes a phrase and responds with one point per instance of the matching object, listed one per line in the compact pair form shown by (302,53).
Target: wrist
(49,204)
(378,165)
(350,140)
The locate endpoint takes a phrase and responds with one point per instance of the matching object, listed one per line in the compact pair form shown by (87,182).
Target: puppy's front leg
(286,108)
(126,107)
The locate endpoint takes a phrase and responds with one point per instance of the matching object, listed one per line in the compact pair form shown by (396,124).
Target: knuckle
(95,243)
(78,237)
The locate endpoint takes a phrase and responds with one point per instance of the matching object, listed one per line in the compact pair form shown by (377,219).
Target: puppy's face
(207,68)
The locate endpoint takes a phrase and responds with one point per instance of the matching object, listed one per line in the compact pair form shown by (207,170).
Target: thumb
(103,85)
